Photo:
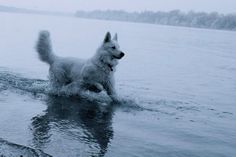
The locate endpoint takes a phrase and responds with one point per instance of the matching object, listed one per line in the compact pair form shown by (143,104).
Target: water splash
(17,82)
(13,81)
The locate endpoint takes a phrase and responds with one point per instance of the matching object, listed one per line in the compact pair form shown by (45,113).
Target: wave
(10,80)
(11,149)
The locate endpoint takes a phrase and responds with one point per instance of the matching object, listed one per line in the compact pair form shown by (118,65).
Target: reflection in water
(72,116)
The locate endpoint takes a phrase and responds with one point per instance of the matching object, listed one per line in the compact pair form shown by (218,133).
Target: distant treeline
(212,20)
(29,11)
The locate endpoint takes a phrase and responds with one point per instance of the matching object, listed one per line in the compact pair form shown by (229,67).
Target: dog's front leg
(98,87)
(109,87)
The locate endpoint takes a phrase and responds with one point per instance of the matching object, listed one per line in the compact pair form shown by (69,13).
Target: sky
(222,6)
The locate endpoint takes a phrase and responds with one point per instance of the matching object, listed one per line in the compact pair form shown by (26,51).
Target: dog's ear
(115,37)
(107,37)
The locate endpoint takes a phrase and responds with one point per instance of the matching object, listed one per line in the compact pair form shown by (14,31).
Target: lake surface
(178,87)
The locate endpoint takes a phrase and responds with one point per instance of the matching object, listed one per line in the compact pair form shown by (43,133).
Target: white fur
(72,74)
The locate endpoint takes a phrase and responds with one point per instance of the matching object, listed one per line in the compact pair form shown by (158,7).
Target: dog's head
(112,47)
(109,52)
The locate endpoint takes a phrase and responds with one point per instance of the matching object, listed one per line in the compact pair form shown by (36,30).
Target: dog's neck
(110,66)
(106,67)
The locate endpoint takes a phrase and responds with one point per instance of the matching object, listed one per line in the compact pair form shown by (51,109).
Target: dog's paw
(97,88)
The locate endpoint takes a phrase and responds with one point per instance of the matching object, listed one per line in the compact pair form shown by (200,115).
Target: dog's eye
(113,47)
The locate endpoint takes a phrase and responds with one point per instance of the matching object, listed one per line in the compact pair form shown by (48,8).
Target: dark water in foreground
(74,126)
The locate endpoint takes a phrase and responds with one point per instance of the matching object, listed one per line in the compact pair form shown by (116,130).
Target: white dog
(72,74)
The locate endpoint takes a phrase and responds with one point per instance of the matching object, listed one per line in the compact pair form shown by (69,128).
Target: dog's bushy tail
(44,47)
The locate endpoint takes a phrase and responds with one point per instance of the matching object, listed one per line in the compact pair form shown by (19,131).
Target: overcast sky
(223,6)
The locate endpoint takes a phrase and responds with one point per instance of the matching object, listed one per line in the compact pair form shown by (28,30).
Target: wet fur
(70,75)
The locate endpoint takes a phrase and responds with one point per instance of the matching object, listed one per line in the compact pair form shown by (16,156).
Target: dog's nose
(122,54)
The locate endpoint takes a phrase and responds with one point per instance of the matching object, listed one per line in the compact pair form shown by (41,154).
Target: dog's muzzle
(122,54)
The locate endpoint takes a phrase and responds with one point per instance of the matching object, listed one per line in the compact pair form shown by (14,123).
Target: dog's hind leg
(71,89)
(58,79)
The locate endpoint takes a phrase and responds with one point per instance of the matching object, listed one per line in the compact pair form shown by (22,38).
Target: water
(177,87)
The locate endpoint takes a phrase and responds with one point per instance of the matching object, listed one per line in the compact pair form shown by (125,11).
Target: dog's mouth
(120,56)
